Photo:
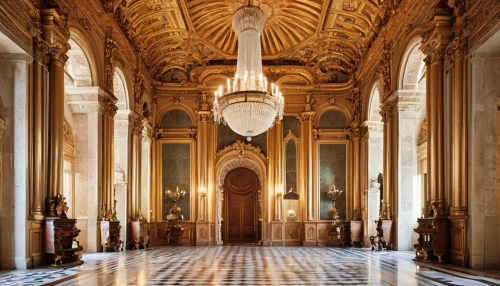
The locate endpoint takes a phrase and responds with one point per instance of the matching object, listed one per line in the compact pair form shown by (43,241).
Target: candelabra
(334,194)
(175,196)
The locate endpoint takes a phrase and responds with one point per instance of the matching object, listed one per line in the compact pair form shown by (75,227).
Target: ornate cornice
(21,18)
(483,16)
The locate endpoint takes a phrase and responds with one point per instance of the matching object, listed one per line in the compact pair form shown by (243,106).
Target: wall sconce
(291,215)
(202,191)
(280,190)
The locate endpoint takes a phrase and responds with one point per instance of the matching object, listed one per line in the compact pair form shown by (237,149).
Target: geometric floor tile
(244,265)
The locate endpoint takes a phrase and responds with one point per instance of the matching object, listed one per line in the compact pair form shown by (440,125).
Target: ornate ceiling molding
(178,39)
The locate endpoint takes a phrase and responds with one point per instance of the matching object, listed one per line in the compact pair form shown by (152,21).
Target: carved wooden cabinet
(110,236)
(340,234)
(139,234)
(356,233)
(432,240)
(61,246)
(174,232)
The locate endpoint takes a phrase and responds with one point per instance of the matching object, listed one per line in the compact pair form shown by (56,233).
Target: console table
(432,239)
(174,232)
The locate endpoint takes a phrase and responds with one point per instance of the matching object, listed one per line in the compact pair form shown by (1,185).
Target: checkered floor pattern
(243,265)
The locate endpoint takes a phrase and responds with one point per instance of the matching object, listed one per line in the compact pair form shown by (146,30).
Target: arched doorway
(241,187)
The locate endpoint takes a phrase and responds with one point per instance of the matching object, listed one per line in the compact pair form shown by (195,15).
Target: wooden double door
(241,187)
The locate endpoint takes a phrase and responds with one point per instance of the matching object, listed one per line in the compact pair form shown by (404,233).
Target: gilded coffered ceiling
(177,38)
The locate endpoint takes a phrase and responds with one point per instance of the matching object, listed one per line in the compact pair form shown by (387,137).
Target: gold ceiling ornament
(247,104)
(328,39)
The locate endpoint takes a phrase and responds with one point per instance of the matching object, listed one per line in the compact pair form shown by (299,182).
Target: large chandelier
(247,105)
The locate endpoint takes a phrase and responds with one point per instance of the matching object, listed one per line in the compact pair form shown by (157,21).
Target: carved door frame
(234,156)
(246,187)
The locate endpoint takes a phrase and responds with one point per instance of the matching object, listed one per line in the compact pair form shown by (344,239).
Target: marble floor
(244,265)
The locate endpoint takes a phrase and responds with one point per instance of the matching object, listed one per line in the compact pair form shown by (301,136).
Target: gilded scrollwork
(109,47)
(241,147)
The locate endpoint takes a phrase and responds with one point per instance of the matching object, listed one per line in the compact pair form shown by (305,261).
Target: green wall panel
(332,170)
(176,171)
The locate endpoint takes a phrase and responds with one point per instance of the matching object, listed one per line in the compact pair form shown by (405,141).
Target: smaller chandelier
(247,104)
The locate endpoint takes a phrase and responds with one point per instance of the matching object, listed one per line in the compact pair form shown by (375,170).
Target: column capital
(306,116)
(436,38)
(55,32)
(387,113)
(137,126)
(205,115)
(41,49)
(457,48)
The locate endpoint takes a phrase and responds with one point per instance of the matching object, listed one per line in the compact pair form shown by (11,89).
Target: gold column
(108,152)
(138,159)
(387,166)
(203,139)
(459,121)
(306,121)
(430,166)
(278,137)
(437,125)
(356,174)
(135,166)
(434,45)
(458,214)
(273,172)
(55,33)
(39,128)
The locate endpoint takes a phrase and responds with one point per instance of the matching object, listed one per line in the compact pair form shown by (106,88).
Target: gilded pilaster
(387,117)
(203,146)
(136,128)
(109,110)
(278,133)
(306,122)
(457,55)
(355,136)
(55,32)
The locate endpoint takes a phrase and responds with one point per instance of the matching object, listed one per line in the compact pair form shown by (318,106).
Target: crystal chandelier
(247,105)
